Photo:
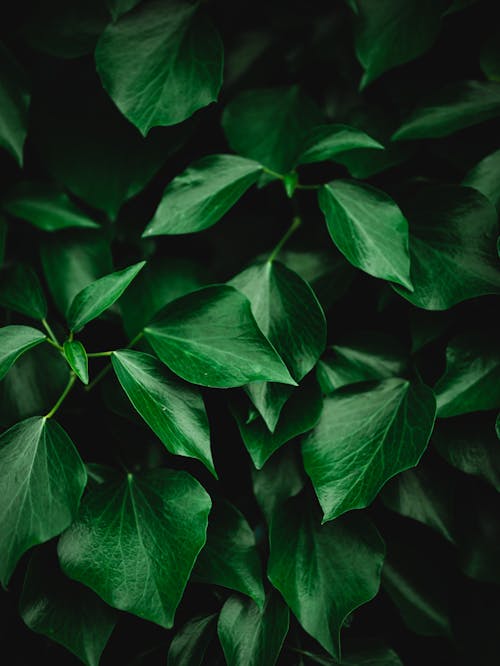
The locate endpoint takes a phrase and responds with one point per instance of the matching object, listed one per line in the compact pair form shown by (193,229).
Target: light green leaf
(160,63)
(41,481)
(324,572)
(14,341)
(98,296)
(485,178)
(251,636)
(210,337)
(453,108)
(21,291)
(229,557)
(269,125)
(453,232)
(189,645)
(326,141)
(14,103)
(471,381)
(135,540)
(66,612)
(368,228)
(392,32)
(367,433)
(201,195)
(174,411)
(76,356)
(45,206)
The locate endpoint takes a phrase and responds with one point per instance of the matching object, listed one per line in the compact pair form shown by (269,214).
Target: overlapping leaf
(14,341)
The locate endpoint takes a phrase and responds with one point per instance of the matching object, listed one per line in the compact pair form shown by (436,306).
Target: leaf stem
(296,222)
(62,397)
(51,333)
(108,367)
(99,354)
(299,186)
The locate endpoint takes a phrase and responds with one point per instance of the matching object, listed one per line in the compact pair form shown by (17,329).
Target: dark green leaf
(160,63)
(453,232)
(201,195)
(14,103)
(135,540)
(14,341)
(485,177)
(372,657)
(368,228)
(21,291)
(174,411)
(210,337)
(251,636)
(471,381)
(66,612)
(76,356)
(41,481)
(490,57)
(451,109)
(229,557)
(3,238)
(98,296)
(189,645)
(324,572)
(326,141)
(270,125)
(427,326)
(366,434)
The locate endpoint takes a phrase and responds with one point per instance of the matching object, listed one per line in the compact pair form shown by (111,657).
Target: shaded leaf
(76,356)
(14,341)
(485,178)
(3,238)
(326,141)
(188,646)
(21,291)
(14,103)
(489,59)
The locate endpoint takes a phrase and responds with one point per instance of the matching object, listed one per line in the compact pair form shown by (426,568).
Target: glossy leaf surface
(76,356)
(14,341)
(189,645)
(326,141)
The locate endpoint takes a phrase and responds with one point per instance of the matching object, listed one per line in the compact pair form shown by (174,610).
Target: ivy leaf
(41,481)
(46,207)
(288,313)
(189,645)
(471,381)
(160,63)
(326,141)
(366,434)
(76,356)
(66,612)
(21,291)
(97,297)
(269,125)
(210,337)
(14,341)
(394,32)
(368,228)
(453,108)
(453,233)
(229,557)
(14,103)
(201,195)
(324,572)
(485,178)
(174,411)
(135,540)
(251,636)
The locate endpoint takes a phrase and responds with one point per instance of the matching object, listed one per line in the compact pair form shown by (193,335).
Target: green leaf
(98,296)
(189,645)
(453,108)
(379,656)
(3,238)
(364,356)
(393,32)
(326,141)
(471,381)
(14,341)
(14,103)
(368,228)
(76,356)
(45,206)
(324,572)
(485,178)
(251,636)
(66,612)
(202,194)
(41,481)
(21,291)
(135,540)
(174,411)
(160,63)
(300,414)
(366,434)
(210,337)
(453,232)
(489,59)
(119,7)
(269,125)
(288,313)
(229,557)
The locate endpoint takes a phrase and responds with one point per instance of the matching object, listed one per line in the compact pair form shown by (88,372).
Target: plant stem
(99,354)
(299,186)
(107,368)
(296,222)
(62,397)
(52,336)
(54,344)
